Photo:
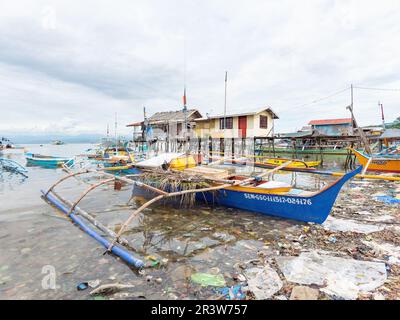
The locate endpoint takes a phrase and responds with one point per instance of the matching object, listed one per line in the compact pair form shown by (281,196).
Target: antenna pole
(145,124)
(352,97)
(383,115)
(116,130)
(226,82)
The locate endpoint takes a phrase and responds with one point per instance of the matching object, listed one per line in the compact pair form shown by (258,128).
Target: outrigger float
(248,193)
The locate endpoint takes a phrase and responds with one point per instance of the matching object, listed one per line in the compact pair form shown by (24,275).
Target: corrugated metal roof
(300,134)
(135,124)
(330,121)
(390,134)
(166,116)
(249,113)
(172,115)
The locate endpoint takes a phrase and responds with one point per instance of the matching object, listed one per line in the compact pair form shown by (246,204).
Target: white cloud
(69,66)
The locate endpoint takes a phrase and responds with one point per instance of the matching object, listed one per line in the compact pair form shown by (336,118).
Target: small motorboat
(57,142)
(47,161)
(295,164)
(9,148)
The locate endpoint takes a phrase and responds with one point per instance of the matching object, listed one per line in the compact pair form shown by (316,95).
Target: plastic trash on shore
(388,199)
(340,277)
(232,293)
(347,225)
(206,279)
(263,282)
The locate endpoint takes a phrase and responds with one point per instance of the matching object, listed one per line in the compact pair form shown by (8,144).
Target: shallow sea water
(175,242)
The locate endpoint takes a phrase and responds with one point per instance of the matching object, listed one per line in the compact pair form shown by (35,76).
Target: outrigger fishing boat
(47,161)
(378,162)
(248,193)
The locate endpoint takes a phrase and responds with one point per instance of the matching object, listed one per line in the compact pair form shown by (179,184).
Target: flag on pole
(184,97)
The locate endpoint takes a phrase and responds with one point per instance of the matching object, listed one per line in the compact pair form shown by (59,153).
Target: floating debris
(207,279)
(110,288)
(232,293)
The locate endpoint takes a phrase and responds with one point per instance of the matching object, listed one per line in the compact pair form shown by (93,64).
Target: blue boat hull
(125,171)
(315,208)
(131,170)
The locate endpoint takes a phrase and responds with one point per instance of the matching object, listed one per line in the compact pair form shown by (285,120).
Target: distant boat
(11,149)
(57,142)
(47,161)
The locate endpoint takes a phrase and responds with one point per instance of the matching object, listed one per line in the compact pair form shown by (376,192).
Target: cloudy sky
(68,66)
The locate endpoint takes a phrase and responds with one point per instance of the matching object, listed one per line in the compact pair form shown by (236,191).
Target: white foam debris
(386,248)
(341,277)
(346,225)
(263,282)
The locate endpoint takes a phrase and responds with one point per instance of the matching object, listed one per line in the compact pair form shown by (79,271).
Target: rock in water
(304,293)
(264,282)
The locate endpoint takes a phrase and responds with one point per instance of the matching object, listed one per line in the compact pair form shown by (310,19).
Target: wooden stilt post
(199,155)
(210,149)
(233,148)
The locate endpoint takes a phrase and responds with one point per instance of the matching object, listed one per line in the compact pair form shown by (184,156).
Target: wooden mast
(363,138)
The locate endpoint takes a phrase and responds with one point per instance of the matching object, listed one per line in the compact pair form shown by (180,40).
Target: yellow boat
(295,164)
(379,163)
(182,163)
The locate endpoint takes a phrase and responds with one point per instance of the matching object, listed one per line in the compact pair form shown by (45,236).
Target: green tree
(395,124)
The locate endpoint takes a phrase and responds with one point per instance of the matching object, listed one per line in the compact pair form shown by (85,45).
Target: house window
(229,123)
(263,122)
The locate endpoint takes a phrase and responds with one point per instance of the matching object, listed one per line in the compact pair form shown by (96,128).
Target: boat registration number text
(278,199)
